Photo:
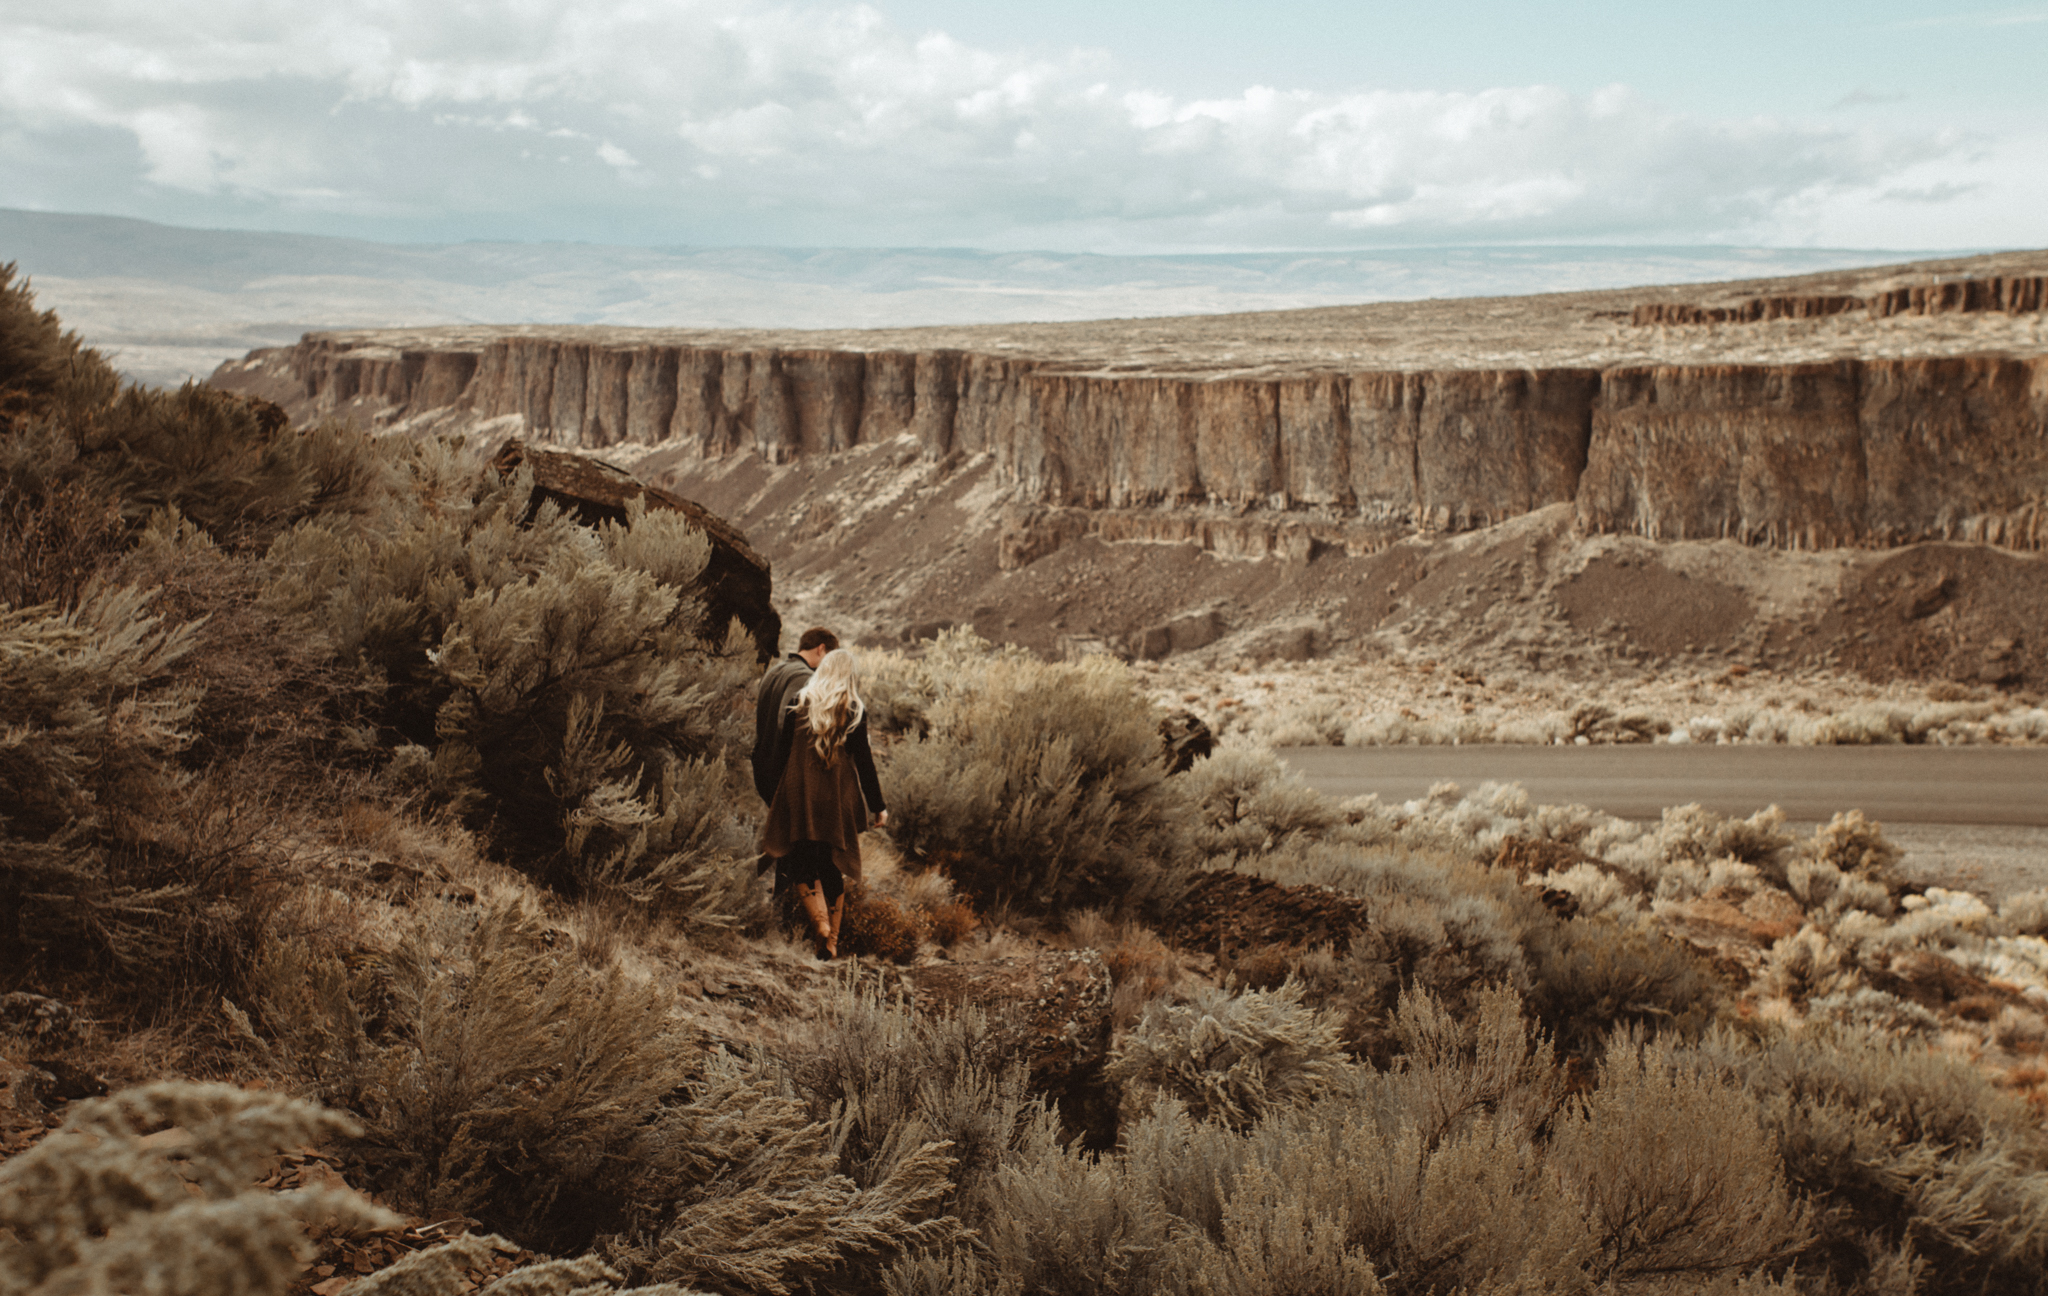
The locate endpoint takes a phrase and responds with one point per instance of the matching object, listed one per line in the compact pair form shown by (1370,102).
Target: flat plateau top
(1552,330)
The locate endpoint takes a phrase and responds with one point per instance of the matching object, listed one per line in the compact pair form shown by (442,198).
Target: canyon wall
(2006,294)
(1857,452)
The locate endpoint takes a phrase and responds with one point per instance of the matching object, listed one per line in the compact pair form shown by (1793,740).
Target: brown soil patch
(1227,913)
(1945,611)
(1652,608)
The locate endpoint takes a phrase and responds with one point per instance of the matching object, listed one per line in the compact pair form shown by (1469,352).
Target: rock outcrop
(1846,453)
(1864,408)
(737,583)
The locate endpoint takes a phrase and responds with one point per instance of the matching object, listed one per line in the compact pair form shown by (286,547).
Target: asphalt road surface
(1945,785)
(1974,817)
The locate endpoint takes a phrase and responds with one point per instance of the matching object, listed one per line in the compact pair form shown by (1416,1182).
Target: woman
(827,791)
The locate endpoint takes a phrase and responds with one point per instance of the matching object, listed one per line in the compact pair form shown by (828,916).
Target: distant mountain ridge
(168,303)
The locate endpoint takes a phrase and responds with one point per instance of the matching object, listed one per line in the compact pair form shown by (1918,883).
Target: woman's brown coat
(824,800)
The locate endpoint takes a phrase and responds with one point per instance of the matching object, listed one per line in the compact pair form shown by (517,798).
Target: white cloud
(719,120)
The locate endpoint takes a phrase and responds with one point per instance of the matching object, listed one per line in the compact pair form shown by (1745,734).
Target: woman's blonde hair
(830,703)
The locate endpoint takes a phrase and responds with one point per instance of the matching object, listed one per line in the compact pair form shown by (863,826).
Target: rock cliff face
(2007,294)
(1855,451)
(1862,453)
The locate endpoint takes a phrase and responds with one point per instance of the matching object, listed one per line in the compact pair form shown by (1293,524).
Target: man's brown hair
(817,637)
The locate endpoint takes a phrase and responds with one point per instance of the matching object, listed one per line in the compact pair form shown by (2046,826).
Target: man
(780,684)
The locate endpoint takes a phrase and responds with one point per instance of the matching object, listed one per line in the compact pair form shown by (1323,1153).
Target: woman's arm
(864,765)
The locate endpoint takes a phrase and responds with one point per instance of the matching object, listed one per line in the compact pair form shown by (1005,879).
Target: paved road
(1904,785)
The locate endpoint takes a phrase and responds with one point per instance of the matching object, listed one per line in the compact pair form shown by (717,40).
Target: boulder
(1182,634)
(1187,739)
(737,582)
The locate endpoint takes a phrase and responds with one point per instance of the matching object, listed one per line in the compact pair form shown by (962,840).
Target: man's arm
(782,682)
(767,718)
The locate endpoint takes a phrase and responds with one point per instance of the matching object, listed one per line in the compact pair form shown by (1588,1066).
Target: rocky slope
(1848,411)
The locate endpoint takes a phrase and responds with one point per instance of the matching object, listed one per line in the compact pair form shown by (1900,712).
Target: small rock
(69,1083)
(1774,914)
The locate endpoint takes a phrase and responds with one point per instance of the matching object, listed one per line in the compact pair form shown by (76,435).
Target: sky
(1131,126)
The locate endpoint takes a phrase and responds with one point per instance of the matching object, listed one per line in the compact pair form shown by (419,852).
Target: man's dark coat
(780,684)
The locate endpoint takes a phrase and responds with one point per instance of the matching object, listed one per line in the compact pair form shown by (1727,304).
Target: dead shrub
(1141,966)
(944,917)
(363,823)
(952,921)
(879,926)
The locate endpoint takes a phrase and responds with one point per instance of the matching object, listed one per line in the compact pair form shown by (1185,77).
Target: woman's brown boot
(838,912)
(824,931)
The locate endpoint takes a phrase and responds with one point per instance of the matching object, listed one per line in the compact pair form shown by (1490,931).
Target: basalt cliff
(1863,410)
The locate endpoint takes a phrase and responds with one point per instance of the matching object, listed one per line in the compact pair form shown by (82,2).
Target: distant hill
(169,303)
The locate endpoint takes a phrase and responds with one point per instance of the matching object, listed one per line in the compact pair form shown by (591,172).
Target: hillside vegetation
(385,836)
